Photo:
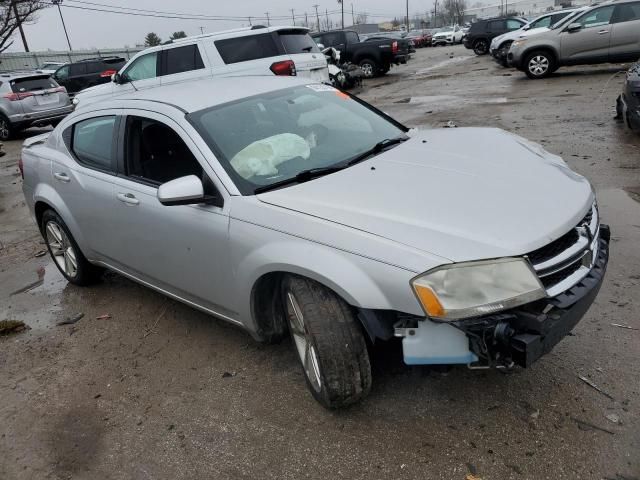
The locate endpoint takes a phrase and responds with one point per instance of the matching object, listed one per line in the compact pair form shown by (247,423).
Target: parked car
(448,36)
(375,57)
(87,73)
(605,33)
(257,50)
(30,99)
(499,48)
(420,39)
(404,46)
(628,104)
(49,67)
(272,203)
(482,32)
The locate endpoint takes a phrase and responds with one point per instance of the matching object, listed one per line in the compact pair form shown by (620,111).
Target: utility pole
(201,30)
(317,17)
(24,39)
(249,21)
(293,17)
(268,23)
(407,24)
(435,14)
(341,2)
(306,20)
(353,18)
(57,3)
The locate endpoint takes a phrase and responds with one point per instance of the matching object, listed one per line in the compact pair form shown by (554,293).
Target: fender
(348,275)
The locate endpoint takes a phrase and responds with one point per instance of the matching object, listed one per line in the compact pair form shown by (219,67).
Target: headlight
(472,289)
(75,101)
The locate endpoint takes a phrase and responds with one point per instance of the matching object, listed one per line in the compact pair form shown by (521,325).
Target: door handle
(128,198)
(63,177)
(602,32)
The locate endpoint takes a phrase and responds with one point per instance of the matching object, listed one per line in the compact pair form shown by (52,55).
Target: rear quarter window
(182,59)
(31,84)
(244,49)
(297,42)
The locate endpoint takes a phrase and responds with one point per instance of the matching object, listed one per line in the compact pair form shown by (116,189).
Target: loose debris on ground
(12,326)
(594,386)
(71,320)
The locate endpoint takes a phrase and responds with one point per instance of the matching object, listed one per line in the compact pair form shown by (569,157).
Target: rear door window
(182,59)
(76,69)
(92,142)
(626,12)
(244,49)
(597,17)
(32,84)
(495,26)
(297,42)
(94,67)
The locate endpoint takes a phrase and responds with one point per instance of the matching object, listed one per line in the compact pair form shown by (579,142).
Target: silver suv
(285,206)
(30,99)
(606,33)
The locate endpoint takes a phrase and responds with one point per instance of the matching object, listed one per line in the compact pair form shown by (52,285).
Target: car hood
(516,34)
(462,194)
(95,91)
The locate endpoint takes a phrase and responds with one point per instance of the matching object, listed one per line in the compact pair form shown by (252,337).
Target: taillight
(287,68)
(21,167)
(13,96)
(394,47)
(60,90)
(108,73)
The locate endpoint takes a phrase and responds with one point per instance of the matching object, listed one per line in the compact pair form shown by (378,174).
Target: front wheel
(369,68)
(480,47)
(65,251)
(539,65)
(329,342)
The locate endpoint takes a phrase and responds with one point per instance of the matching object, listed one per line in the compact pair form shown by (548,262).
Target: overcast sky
(89,29)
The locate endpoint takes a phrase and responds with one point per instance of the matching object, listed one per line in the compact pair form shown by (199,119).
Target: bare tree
(10,22)
(454,10)
(361,18)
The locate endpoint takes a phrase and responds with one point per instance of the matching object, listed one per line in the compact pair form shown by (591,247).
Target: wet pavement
(159,390)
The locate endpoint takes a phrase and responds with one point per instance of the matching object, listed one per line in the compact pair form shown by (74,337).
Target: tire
(65,252)
(480,47)
(329,341)
(7,131)
(369,68)
(539,64)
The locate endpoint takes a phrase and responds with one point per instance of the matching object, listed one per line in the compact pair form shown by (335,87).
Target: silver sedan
(291,208)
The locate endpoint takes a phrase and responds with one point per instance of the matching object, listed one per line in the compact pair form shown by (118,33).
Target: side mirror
(574,27)
(526,27)
(321,46)
(182,191)
(116,78)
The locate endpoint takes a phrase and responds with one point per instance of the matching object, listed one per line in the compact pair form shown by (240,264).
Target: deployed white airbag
(263,156)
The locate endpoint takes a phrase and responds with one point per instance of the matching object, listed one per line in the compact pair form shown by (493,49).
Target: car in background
(374,56)
(256,50)
(273,204)
(420,39)
(448,36)
(604,33)
(87,73)
(628,104)
(49,67)
(30,99)
(482,32)
(405,45)
(500,45)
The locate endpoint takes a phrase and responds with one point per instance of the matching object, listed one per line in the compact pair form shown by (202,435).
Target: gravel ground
(159,390)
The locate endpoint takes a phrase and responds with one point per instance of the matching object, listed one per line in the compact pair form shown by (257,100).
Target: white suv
(253,50)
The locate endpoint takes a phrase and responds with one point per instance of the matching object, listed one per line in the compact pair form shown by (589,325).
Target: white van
(253,50)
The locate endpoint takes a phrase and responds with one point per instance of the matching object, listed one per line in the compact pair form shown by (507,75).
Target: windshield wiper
(301,177)
(310,174)
(377,148)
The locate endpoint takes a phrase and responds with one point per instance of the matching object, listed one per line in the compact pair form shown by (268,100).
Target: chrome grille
(567,260)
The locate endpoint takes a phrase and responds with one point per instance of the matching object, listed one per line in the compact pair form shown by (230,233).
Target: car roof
(193,95)
(8,76)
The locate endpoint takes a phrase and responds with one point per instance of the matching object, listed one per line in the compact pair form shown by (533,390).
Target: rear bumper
(41,117)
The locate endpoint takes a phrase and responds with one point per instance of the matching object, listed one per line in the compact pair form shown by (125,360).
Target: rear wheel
(329,342)
(65,251)
(480,47)
(6,129)
(539,64)
(369,68)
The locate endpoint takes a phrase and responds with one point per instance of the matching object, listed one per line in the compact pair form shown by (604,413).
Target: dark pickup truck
(375,57)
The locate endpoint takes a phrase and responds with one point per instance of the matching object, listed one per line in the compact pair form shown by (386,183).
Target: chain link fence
(32,60)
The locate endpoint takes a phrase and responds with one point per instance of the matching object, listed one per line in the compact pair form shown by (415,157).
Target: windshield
(566,19)
(272,137)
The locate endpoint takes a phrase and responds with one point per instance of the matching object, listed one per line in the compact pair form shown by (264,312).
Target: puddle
(444,63)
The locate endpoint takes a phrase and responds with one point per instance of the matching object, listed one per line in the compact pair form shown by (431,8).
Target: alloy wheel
(61,249)
(538,65)
(367,70)
(302,339)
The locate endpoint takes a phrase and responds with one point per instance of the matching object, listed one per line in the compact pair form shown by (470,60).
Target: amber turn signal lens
(429,301)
